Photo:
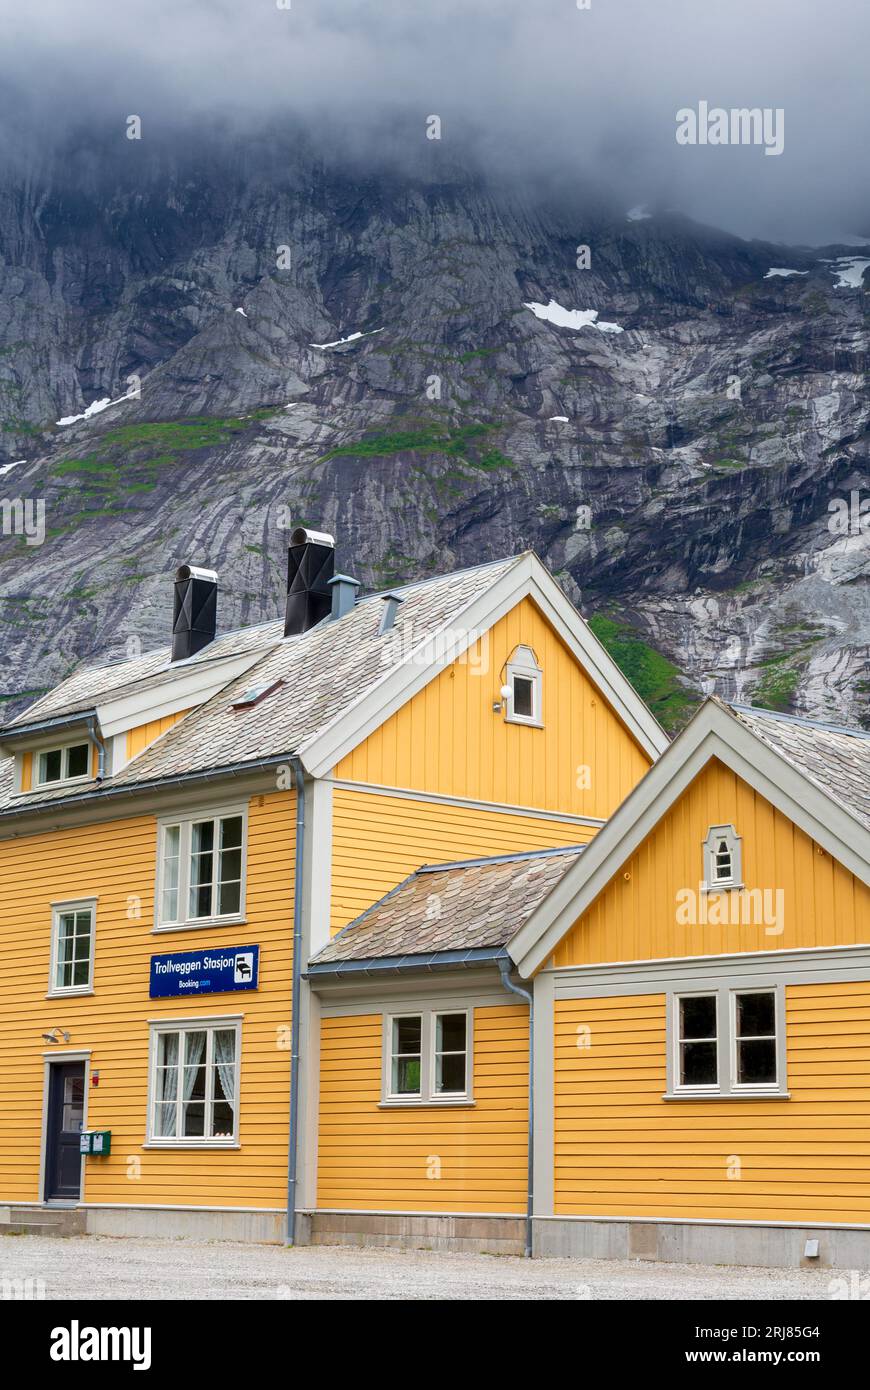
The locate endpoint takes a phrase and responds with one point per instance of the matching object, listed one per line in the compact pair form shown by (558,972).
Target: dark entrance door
(66,1112)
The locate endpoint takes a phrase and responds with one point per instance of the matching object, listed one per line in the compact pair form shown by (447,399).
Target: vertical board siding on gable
(138,739)
(381,1159)
(115,862)
(620,1150)
(636,919)
(378,840)
(447,739)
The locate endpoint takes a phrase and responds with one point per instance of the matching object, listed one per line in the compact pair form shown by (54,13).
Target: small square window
(427,1058)
(63,764)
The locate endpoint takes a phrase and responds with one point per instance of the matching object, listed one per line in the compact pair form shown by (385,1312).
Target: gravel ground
(134,1268)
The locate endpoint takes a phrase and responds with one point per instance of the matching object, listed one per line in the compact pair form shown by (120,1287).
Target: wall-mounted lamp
(501,704)
(52,1037)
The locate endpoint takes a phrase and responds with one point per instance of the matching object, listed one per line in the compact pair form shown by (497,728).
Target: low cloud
(538,90)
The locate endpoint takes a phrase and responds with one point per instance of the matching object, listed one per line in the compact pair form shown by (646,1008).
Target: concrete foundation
(262,1227)
(772,1247)
(482,1235)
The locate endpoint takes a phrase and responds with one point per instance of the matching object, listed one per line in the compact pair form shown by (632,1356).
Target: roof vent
(310,563)
(343,594)
(390,611)
(194,617)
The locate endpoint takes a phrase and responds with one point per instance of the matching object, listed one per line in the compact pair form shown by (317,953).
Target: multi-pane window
(63,764)
(728,1042)
(722,858)
(201,869)
(194,1085)
(72,948)
(428,1058)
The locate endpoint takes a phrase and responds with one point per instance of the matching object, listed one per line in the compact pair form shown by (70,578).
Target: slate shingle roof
(322,672)
(452,907)
(837,759)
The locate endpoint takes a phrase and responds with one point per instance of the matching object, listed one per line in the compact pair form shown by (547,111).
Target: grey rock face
(679,476)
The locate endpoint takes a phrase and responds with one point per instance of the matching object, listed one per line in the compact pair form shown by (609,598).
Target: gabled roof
(817,801)
(836,758)
(333,684)
(475,905)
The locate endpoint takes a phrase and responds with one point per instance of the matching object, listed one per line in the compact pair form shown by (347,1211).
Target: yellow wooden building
(284,907)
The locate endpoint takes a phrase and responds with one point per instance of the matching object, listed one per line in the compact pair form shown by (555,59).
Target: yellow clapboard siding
(378,840)
(371,1158)
(621,1150)
(448,740)
(138,739)
(636,917)
(115,863)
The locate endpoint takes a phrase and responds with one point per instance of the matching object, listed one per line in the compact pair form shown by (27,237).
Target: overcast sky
(527,86)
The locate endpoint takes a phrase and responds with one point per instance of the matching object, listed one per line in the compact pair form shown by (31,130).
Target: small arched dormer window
(525,704)
(723,867)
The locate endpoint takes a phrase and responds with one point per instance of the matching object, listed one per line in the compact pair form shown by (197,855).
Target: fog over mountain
(545,91)
(440,279)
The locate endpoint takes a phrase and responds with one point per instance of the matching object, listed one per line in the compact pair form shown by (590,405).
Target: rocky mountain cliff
(690,458)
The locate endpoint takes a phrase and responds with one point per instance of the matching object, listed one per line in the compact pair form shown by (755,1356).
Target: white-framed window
(72,947)
(723,859)
(194,1083)
(727,1042)
(70,763)
(524,704)
(427,1057)
(201,869)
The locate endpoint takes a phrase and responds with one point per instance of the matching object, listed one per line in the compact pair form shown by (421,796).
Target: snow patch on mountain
(570,318)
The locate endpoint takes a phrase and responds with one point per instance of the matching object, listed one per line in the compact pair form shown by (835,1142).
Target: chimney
(343,594)
(310,564)
(389,612)
(194,617)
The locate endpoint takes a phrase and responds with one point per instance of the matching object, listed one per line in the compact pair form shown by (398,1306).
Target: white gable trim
(192,686)
(713,733)
(525,578)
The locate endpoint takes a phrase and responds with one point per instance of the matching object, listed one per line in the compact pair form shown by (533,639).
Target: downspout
(504,966)
(97,740)
(295,1023)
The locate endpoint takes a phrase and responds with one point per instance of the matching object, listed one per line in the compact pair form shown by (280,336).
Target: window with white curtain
(194,1083)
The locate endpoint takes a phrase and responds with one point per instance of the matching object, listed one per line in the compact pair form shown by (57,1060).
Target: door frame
(60,1056)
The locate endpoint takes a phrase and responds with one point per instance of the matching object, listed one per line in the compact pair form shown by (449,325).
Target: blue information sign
(218,970)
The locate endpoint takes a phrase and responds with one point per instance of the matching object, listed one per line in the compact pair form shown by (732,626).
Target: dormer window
(524,704)
(723,866)
(69,764)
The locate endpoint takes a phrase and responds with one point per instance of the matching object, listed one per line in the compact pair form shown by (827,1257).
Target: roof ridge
(498,859)
(850,730)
